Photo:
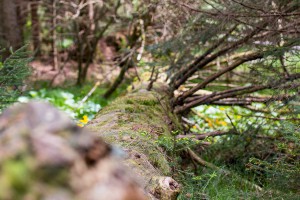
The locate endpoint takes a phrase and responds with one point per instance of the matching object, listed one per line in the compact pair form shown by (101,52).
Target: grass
(218,186)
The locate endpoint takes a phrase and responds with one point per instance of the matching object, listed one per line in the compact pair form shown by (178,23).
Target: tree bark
(1,25)
(10,31)
(54,35)
(136,123)
(35,26)
(119,79)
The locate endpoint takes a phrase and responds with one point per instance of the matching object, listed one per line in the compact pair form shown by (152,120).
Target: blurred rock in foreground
(44,155)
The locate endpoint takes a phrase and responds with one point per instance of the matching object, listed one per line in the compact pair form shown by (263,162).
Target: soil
(42,71)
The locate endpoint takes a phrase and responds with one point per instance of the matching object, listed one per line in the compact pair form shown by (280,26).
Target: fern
(13,72)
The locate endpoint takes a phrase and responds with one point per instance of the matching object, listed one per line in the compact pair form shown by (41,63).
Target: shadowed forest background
(209,87)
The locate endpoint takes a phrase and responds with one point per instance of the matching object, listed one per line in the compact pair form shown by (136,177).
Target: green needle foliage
(13,72)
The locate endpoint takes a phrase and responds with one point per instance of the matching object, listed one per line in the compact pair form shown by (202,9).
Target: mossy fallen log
(136,123)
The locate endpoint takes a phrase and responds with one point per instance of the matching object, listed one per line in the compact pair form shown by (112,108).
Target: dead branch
(182,76)
(206,135)
(204,163)
(253,56)
(216,96)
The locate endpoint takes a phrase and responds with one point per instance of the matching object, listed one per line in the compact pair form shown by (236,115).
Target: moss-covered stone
(44,155)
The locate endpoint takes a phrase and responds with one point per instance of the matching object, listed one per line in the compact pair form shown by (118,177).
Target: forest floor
(105,69)
(42,71)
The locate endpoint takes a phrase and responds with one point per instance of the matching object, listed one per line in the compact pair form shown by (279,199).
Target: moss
(147,102)
(141,120)
(130,110)
(22,176)
(53,175)
(129,101)
(101,123)
(15,177)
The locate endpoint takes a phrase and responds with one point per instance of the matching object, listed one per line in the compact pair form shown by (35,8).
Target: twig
(273,118)
(139,56)
(231,122)
(151,79)
(205,135)
(241,60)
(204,163)
(89,94)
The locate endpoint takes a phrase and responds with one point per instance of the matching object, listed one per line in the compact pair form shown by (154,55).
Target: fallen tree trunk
(136,123)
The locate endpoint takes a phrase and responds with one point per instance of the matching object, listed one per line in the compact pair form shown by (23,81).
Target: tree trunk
(10,31)
(35,26)
(54,35)
(1,25)
(137,123)
(118,81)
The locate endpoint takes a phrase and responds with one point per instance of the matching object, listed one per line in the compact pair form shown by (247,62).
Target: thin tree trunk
(54,35)
(118,81)
(22,13)
(35,27)
(133,39)
(1,25)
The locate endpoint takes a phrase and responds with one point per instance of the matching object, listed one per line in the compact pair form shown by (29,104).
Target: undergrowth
(70,99)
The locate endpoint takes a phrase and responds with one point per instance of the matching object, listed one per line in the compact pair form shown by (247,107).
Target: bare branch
(203,56)
(204,163)
(191,69)
(253,56)
(206,135)
(216,96)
